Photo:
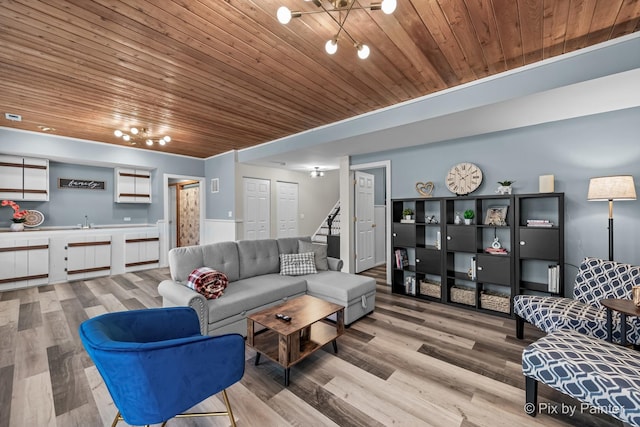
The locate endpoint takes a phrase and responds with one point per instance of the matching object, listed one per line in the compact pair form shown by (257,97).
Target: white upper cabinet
(24,178)
(132,185)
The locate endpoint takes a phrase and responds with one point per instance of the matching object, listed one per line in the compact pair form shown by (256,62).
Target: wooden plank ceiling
(218,75)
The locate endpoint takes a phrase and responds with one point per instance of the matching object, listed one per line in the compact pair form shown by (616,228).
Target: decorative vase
(457,220)
(16,226)
(467,221)
(504,189)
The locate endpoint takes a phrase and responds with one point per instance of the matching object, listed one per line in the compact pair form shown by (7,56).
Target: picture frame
(496,215)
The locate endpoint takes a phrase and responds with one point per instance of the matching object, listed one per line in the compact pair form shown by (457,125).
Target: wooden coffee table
(625,307)
(287,343)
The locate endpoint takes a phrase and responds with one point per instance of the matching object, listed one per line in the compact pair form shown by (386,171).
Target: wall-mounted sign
(87,184)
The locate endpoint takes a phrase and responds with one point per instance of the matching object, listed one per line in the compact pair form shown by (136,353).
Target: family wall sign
(86,184)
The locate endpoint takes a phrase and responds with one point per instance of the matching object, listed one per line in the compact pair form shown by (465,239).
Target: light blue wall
(220,204)
(72,158)
(572,150)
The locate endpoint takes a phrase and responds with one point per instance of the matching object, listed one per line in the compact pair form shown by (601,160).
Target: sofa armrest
(177,295)
(335,264)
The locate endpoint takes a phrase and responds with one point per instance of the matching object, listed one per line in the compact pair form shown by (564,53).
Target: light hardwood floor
(410,363)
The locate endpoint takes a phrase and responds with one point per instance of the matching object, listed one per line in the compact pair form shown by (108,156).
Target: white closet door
(257,215)
(287,215)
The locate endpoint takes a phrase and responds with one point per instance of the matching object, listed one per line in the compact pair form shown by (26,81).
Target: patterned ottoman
(603,375)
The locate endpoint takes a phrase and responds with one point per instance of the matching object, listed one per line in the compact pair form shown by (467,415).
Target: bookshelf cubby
(479,266)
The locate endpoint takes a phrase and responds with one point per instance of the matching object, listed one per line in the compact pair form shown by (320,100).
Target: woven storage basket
(463,295)
(495,302)
(430,289)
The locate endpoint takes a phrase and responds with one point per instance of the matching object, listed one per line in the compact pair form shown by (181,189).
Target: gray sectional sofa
(255,283)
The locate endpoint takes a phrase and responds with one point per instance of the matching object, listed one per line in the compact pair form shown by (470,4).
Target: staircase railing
(330,220)
(330,225)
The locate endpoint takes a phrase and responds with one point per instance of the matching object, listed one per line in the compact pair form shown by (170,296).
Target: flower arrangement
(18,215)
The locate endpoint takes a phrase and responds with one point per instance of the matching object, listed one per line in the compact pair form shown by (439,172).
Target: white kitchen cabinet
(24,262)
(132,185)
(88,256)
(24,178)
(142,250)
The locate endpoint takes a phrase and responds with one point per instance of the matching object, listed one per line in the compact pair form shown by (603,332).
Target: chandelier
(134,135)
(316,173)
(339,11)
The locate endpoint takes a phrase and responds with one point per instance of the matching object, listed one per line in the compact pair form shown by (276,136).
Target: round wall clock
(464,178)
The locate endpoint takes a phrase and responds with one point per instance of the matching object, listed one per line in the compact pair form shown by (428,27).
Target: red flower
(18,215)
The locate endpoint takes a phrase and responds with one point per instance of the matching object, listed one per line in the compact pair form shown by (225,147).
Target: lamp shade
(620,187)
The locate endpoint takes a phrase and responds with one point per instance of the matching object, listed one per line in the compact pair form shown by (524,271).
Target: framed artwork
(496,215)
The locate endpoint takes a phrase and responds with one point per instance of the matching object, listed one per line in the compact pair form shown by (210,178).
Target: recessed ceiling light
(46,128)
(13,117)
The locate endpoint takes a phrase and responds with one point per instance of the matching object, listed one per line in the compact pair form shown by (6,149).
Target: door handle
(373,225)
(522,243)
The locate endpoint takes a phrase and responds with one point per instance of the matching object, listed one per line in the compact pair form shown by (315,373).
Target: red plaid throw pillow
(207,281)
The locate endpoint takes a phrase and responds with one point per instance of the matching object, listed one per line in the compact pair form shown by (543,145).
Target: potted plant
(505,187)
(468,216)
(19,216)
(407,213)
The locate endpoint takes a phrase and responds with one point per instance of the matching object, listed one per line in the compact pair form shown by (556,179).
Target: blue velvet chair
(156,364)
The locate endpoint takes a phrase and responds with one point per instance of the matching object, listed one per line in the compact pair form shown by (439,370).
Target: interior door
(257,215)
(188,215)
(287,210)
(173,217)
(365,221)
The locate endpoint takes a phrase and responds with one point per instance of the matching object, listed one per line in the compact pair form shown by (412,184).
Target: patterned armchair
(597,279)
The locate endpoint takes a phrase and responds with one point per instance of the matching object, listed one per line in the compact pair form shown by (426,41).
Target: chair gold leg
(116,419)
(197,414)
(229,411)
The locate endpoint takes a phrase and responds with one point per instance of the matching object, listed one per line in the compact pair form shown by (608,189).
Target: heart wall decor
(425,188)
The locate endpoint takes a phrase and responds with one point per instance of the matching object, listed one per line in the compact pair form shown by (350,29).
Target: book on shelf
(402,259)
(539,223)
(410,285)
(553,279)
(494,251)
(408,221)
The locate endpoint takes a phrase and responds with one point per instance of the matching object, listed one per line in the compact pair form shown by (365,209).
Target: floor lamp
(610,188)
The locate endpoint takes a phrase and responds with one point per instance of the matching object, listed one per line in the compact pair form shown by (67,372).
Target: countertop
(75,229)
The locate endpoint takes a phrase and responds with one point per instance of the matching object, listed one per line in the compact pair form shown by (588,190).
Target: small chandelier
(342,8)
(316,173)
(134,135)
